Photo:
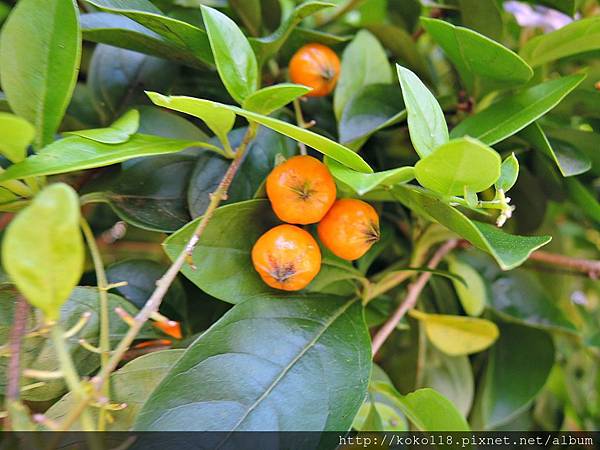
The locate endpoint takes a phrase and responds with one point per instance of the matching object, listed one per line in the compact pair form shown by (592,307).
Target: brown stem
(414,290)
(589,267)
(17,332)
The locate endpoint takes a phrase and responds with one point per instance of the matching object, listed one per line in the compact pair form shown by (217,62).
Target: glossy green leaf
(483,64)
(16,134)
(578,37)
(511,114)
(149,16)
(509,251)
(427,409)
(362,183)
(511,380)
(77,153)
(317,337)
(40,49)
(426,122)
(586,141)
(131,385)
(509,173)
(483,16)
(234,57)
(118,133)
(42,250)
(218,119)
(364,62)
(164,123)
(588,203)
(473,292)
(458,335)
(457,165)
(270,99)
(569,160)
(121,31)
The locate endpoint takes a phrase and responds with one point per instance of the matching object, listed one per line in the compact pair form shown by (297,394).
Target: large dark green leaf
(179,32)
(483,16)
(513,377)
(77,153)
(582,197)
(483,64)
(130,385)
(513,113)
(508,250)
(40,49)
(250,13)
(322,358)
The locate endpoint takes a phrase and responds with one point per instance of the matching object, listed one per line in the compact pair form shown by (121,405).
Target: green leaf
(42,250)
(579,194)
(570,160)
(234,57)
(218,119)
(483,64)
(16,135)
(513,113)
(362,183)
(473,295)
(131,385)
(426,122)
(566,6)
(118,133)
(250,13)
(270,99)
(178,32)
(364,62)
(578,37)
(268,46)
(457,335)
(509,173)
(509,251)
(120,31)
(457,165)
(483,16)
(519,296)
(427,409)
(77,153)
(510,379)
(40,49)
(316,337)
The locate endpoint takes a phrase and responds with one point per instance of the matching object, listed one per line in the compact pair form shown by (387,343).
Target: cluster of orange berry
(302,192)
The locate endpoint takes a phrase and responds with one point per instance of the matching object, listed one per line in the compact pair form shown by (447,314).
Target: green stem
(104,312)
(340,12)
(301,123)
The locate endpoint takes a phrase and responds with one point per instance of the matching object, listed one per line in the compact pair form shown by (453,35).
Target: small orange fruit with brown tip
(350,228)
(315,66)
(287,258)
(170,328)
(301,190)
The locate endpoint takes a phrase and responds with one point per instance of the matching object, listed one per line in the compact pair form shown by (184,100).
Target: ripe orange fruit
(350,228)
(301,190)
(317,67)
(287,258)
(170,328)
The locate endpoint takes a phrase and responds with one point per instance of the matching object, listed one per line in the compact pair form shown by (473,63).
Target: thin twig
(340,12)
(414,290)
(589,267)
(17,332)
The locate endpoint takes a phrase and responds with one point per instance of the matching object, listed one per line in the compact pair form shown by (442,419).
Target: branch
(17,332)
(589,267)
(414,290)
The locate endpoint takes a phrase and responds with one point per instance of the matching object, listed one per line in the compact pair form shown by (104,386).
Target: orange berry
(350,228)
(153,344)
(317,67)
(301,190)
(287,258)
(170,328)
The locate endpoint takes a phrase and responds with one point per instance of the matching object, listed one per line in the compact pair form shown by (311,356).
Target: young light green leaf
(509,173)
(16,135)
(119,132)
(77,153)
(234,57)
(457,335)
(40,49)
(569,160)
(483,64)
(577,37)
(43,250)
(426,122)
(366,182)
(515,112)
(473,292)
(364,62)
(270,99)
(218,119)
(459,164)
(509,251)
